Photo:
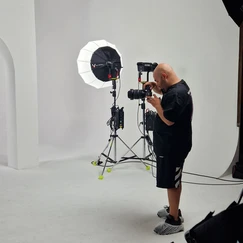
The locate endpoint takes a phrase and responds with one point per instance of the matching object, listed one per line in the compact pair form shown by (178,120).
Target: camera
(146,66)
(139,94)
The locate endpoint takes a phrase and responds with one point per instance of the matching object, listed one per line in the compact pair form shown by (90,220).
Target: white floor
(64,202)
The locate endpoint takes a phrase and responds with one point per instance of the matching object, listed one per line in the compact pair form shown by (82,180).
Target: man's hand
(153,86)
(154,101)
(150,84)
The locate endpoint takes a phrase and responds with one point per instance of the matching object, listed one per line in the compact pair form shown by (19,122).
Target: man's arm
(162,117)
(156,103)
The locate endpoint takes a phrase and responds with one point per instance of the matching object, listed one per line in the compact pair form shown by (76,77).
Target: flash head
(146,66)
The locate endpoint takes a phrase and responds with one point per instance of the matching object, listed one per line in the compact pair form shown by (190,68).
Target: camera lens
(130,94)
(135,94)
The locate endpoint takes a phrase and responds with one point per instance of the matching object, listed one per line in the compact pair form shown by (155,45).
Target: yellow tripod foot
(94,163)
(109,170)
(101,177)
(147,167)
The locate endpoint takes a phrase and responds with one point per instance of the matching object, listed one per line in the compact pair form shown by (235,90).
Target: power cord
(234,183)
(139,123)
(208,184)
(210,177)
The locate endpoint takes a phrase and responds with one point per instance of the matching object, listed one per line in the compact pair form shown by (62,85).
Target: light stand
(145,136)
(116,122)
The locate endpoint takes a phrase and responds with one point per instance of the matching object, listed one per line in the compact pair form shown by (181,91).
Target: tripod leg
(130,149)
(115,148)
(150,149)
(98,162)
(144,148)
(102,174)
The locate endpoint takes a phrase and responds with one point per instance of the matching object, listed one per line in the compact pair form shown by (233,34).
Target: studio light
(99,63)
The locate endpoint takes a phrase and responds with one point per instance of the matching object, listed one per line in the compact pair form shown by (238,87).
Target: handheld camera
(134,94)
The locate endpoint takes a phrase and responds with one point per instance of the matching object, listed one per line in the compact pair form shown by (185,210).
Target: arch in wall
(10,103)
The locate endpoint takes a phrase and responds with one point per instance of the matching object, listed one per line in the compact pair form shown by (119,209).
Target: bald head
(164,76)
(164,68)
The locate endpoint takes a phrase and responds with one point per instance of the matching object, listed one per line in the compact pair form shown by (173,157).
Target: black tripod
(145,136)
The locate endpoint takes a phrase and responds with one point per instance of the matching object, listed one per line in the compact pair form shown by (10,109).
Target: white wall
(3,115)
(66,126)
(197,38)
(18,73)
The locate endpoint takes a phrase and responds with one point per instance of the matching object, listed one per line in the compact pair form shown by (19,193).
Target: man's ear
(164,75)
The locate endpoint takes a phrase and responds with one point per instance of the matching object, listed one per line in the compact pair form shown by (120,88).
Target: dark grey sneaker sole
(167,229)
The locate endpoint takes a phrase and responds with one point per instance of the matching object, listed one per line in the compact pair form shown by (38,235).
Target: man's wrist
(159,109)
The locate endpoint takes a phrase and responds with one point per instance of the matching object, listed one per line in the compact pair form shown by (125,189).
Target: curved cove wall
(9,80)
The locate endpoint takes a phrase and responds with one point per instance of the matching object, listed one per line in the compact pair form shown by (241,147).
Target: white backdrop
(197,38)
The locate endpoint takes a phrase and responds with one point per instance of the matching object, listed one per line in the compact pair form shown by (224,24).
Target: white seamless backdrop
(197,38)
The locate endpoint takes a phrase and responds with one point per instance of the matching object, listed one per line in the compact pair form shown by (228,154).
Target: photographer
(172,140)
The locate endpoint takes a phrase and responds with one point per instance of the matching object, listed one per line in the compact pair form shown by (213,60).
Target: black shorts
(169,171)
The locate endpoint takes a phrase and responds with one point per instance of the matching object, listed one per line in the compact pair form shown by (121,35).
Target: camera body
(139,94)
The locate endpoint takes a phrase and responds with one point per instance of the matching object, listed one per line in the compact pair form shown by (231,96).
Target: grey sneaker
(164,212)
(170,226)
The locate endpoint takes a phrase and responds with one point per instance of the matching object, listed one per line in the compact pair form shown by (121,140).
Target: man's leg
(171,171)
(174,200)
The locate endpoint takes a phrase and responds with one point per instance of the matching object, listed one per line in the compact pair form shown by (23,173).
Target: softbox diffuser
(96,61)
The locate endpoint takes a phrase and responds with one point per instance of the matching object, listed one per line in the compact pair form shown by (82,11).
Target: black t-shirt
(177,105)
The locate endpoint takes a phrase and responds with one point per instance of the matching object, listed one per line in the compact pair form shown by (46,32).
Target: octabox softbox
(98,62)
